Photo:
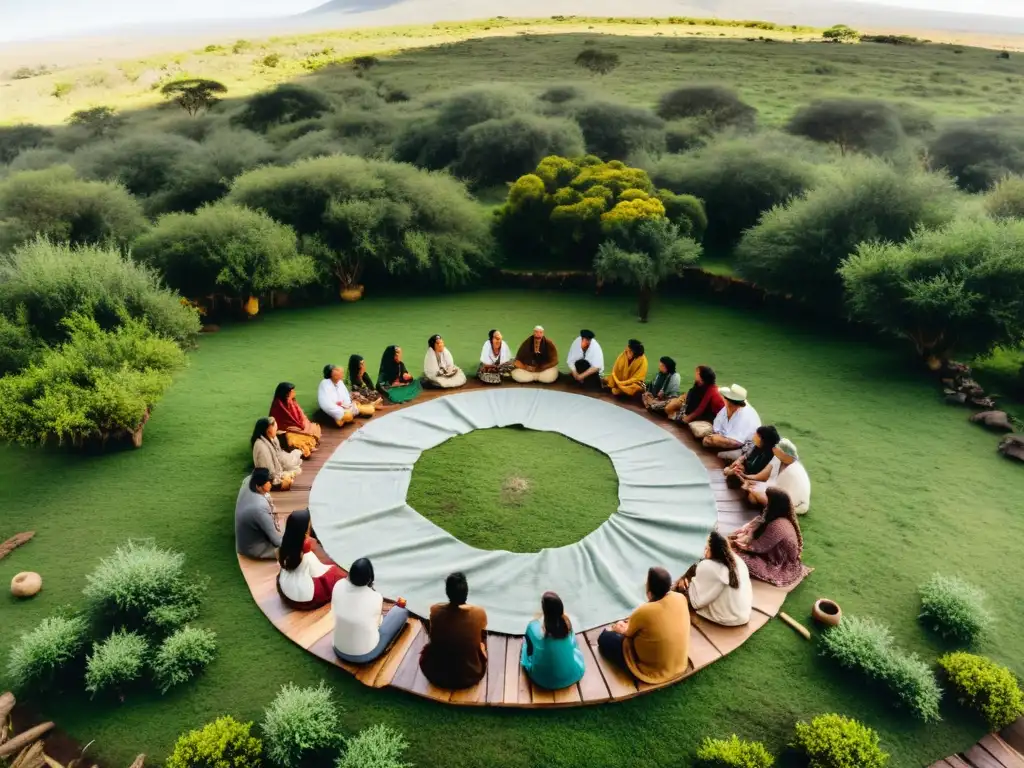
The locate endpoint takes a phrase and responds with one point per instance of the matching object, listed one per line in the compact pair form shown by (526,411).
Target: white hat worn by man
(734,426)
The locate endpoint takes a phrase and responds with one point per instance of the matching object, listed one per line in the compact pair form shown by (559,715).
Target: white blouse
(433,363)
(795,481)
(297,584)
(712,597)
(487,356)
(357,617)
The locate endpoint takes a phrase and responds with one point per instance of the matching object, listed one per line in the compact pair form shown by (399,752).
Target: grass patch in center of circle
(514,488)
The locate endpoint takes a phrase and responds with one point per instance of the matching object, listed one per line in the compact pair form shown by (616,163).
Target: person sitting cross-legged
(758,463)
(586,360)
(496,361)
(394,379)
(257,529)
(665,387)
(295,430)
(654,644)
(536,360)
(361,634)
(455,655)
(791,477)
(771,544)
(364,395)
(304,580)
(701,404)
(439,369)
(267,452)
(718,587)
(333,397)
(550,656)
(734,426)
(629,373)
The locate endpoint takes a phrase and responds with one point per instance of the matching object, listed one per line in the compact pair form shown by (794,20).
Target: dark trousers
(593,381)
(609,643)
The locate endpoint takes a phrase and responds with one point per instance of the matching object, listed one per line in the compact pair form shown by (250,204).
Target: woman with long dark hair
(771,544)
(701,403)
(665,387)
(439,368)
(759,464)
(718,587)
(295,430)
(394,380)
(305,581)
(267,452)
(361,633)
(366,398)
(550,656)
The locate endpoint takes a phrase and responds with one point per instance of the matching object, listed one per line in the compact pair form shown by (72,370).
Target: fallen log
(24,739)
(14,542)
(140,762)
(30,757)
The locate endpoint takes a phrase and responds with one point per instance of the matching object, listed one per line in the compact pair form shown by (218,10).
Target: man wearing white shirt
(333,397)
(735,424)
(586,360)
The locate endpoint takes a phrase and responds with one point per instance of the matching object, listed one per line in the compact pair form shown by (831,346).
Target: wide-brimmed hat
(734,394)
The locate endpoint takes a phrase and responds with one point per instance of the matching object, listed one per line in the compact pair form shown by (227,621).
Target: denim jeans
(390,628)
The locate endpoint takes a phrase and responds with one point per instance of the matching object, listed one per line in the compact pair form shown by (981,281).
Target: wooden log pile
(960,388)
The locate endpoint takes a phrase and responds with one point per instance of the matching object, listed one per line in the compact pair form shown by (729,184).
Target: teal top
(554,663)
(667,383)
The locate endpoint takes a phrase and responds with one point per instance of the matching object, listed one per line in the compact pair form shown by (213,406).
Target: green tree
(597,62)
(840,33)
(224,248)
(286,103)
(642,254)
(614,131)
(98,121)
(719,107)
(15,139)
(1006,199)
(853,125)
(195,94)
(57,204)
(372,217)
(978,153)
(954,289)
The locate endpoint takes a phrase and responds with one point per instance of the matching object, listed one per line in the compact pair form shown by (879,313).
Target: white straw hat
(735,393)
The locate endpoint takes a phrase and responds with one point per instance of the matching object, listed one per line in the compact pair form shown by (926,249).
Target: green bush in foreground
(224,743)
(300,722)
(834,741)
(97,386)
(39,657)
(116,662)
(733,753)
(142,586)
(378,746)
(954,609)
(182,656)
(984,686)
(866,646)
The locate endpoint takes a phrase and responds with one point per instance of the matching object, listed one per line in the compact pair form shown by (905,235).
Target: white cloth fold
(592,354)
(487,354)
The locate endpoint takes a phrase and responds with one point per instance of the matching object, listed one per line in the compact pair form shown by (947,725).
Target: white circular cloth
(666,509)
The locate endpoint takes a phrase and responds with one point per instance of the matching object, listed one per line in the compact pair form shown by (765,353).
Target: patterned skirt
(366,396)
(493,374)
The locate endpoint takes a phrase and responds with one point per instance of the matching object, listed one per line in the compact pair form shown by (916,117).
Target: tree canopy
(195,94)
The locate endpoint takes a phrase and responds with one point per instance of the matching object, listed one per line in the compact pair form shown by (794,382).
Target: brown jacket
(548,357)
(453,656)
(657,644)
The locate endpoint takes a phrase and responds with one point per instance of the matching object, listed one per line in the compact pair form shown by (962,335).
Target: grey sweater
(256,535)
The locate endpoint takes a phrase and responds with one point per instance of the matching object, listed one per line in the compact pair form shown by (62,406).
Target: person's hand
(620,627)
(684,583)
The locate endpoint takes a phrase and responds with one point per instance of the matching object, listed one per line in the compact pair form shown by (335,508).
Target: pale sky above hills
(28,19)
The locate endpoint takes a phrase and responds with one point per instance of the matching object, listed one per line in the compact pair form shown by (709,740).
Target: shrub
(195,94)
(49,282)
(854,125)
(298,723)
(98,121)
(720,107)
(984,686)
(96,386)
(867,647)
(378,746)
(17,346)
(38,159)
(1006,199)
(183,655)
(57,205)
(224,743)
(597,62)
(15,139)
(271,60)
(978,153)
(143,586)
(286,103)
(116,662)
(797,249)
(954,608)
(738,180)
(841,33)
(955,288)
(231,152)
(224,248)
(40,659)
(614,131)
(733,753)
(388,219)
(500,150)
(834,741)
(560,94)
(687,212)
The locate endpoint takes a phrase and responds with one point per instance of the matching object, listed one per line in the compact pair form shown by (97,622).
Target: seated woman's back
(357,616)
(454,656)
(714,598)
(550,654)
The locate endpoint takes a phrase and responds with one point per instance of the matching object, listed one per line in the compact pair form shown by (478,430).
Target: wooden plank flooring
(506,684)
(996,750)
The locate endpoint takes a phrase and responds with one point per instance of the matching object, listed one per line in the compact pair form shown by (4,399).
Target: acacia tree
(857,125)
(99,121)
(597,62)
(195,94)
(840,33)
(957,288)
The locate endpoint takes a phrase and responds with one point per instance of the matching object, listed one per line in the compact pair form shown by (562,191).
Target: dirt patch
(514,489)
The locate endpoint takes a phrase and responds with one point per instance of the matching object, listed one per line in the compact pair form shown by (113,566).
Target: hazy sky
(26,19)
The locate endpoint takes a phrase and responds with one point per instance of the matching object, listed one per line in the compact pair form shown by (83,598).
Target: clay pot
(352,293)
(26,584)
(252,306)
(827,612)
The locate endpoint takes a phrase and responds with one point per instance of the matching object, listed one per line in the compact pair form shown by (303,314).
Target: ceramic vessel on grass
(827,612)
(352,293)
(26,584)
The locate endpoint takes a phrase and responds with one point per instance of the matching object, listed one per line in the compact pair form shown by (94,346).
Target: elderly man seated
(734,426)
(791,477)
(586,360)
(333,397)
(537,360)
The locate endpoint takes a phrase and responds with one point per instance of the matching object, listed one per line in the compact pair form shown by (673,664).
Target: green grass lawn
(903,487)
(514,489)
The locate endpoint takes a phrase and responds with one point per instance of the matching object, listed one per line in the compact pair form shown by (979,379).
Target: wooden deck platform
(996,750)
(506,685)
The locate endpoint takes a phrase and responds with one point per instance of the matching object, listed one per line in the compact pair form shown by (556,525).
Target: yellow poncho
(628,376)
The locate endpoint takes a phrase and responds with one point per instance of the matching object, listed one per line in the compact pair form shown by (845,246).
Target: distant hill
(823,13)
